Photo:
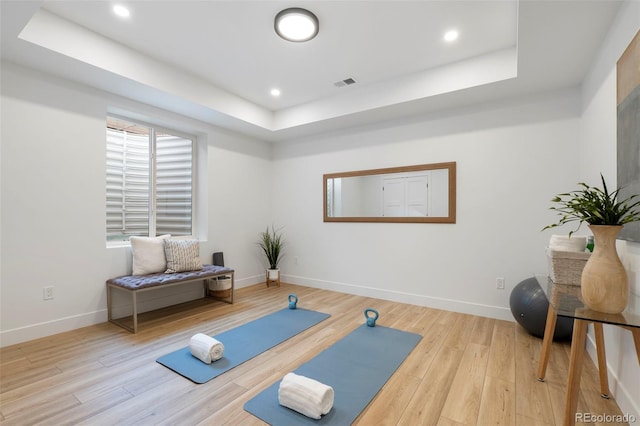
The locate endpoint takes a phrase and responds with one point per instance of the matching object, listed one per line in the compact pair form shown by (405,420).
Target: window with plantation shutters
(149,188)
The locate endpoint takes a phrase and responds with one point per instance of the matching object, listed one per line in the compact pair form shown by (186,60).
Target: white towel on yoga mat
(305,395)
(206,348)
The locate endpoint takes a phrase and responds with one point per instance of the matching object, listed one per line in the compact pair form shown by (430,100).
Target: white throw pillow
(148,254)
(182,255)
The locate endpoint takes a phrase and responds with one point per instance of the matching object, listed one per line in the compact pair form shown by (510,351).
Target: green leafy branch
(595,206)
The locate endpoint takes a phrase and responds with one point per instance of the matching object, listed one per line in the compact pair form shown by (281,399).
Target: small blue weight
(371,320)
(293,299)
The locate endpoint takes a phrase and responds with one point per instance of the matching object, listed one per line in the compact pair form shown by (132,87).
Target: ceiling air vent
(345,82)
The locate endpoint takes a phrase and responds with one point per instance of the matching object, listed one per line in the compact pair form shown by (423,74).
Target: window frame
(153,129)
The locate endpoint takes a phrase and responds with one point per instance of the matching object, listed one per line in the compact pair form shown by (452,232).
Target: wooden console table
(566,301)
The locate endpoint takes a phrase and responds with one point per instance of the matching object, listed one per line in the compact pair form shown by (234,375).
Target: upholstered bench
(133,284)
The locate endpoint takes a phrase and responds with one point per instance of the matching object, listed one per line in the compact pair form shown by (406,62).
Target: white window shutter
(127,185)
(174,165)
(130,181)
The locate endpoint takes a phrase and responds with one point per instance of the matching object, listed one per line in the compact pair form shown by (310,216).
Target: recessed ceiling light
(275,92)
(451,35)
(296,24)
(121,11)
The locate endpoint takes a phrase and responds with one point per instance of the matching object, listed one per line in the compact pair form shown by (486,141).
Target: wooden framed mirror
(424,193)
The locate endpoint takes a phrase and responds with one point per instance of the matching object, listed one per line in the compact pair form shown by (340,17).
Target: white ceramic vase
(273,274)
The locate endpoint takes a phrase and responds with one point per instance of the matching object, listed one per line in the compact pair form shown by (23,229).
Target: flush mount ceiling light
(451,35)
(296,24)
(121,11)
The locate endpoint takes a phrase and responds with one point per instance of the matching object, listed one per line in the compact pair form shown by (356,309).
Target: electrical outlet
(47,293)
(500,283)
(295,260)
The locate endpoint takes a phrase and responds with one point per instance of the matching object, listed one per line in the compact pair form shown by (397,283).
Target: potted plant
(272,243)
(604,283)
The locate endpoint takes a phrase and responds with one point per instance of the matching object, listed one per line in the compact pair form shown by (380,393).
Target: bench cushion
(136,282)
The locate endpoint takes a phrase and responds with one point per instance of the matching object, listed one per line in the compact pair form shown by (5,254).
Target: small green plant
(272,243)
(595,206)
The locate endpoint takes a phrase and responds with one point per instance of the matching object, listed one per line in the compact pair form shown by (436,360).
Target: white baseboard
(60,325)
(496,312)
(48,328)
(123,308)
(249,281)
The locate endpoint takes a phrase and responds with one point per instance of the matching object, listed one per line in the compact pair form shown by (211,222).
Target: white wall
(598,154)
(512,158)
(53,204)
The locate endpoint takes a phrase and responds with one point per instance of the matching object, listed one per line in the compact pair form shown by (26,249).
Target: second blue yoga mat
(243,343)
(356,367)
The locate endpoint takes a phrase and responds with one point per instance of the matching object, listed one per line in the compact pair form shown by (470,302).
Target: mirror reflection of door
(422,193)
(393,197)
(418,196)
(406,196)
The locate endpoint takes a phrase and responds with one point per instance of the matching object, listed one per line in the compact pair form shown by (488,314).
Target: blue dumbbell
(293,299)
(371,321)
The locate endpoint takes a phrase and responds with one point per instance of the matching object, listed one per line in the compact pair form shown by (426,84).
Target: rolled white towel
(306,396)
(206,348)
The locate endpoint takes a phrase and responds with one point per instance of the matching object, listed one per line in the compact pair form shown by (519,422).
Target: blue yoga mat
(356,367)
(243,343)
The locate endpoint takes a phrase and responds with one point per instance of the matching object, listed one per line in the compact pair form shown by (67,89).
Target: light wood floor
(467,370)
